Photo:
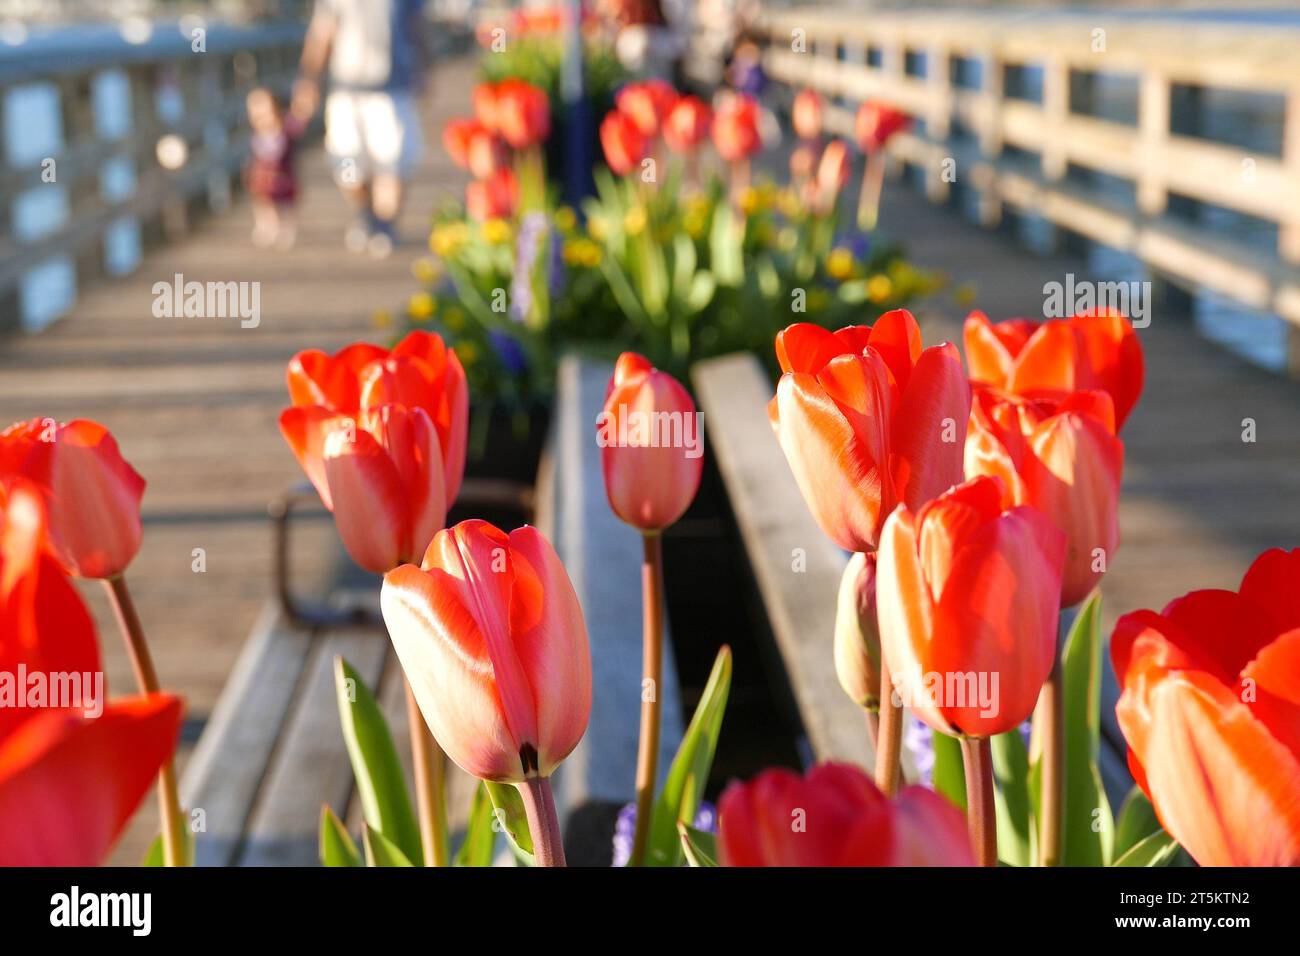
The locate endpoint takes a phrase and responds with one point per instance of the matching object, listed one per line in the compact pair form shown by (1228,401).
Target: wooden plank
(231,758)
(779,532)
(310,765)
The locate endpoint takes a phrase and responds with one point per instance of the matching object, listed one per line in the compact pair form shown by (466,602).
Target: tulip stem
(429,764)
(647,758)
(981,816)
(1051,734)
(169,801)
(543,821)
(873,178)
(889,735)
(873,726)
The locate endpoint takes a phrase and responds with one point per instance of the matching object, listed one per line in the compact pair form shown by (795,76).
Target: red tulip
(624,144)
(486,155)
(1210,707)
(457,136)
(735,128)
(522,114)
(806,114)
(493,198)
(876,124)
(492,640)
(651,445)
(1052,358)
(93,494)
(867,419)
(835,816)
(419,372)
(69,782)
(485,106)
(833,171)
(687,124)
(647,105)
(967,597)
(1062,458)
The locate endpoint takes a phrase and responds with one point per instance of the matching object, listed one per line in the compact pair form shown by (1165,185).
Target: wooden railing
(852,55)
(188,91)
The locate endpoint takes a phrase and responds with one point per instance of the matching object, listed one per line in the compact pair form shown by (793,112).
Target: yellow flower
(582,252)
(421,307)
(840,264)
(634,222)
(879,288)
(749,200)
(790,204)
(426,271)
(591,255)
(596,226)
(565,219)
(443,242)
(693,224)
(381,318)
(497,231)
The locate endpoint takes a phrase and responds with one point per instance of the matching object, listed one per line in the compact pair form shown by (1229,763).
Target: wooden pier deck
(194,403)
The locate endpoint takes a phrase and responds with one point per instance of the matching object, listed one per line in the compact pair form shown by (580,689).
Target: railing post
(1056,114)
(990,137)
(1289,228)
(1153,132)
(938,118)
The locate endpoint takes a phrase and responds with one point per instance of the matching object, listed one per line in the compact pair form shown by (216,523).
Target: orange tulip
(1210,707)
(806,114)
(835,816)
(457,135)
(647,105)
(522,114)
(485,106)
(419,372)
(967,597)
(832,173)
(486,156)
(492,640)
(735,128)
(1062,458)
(496,197)
(93,495)
(69,781)
(876,124)
(868,419)
(687,124)
(651,445)
(1049,359)
(623,143)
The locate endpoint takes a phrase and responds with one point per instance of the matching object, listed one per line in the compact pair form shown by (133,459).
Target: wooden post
(990,135)
(1153,132)
(1289,227)
(938,118)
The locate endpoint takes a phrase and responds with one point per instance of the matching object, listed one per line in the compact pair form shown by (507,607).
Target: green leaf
(699,847)
(1016,837)
(1137,821)
(154,855)
(726,257)
(480,836)
(336,846)
(380,782)
(511,818)
(1088,829)
(680,799)
(949,777)
(1158,849)
(381,851)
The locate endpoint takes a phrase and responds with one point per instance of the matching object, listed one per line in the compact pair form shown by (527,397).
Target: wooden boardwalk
(194,403)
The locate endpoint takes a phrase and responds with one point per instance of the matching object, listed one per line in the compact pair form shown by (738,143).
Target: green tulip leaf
(480,835)
(680,799)
(949,777)
(1016,837)
(1137,821)
(1158,849)
(699,848)
(1088,829)
(336,846)
(511,819)
(154,855)
(385,803)
(381,851)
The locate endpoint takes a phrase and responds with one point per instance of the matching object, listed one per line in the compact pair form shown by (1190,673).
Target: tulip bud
(687,124)
(735,128)
(457,135)
(522,114)
(651,445)
(857,635)
(835,816)
(491,638)
(93,493)
(806,115)
(623,143)
(647,104)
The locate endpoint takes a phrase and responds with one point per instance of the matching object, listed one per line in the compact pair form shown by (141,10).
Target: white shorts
(369,133)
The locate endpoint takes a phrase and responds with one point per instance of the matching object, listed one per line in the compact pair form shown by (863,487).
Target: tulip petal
(450,670)
(929,831)
(1273,583)
(316,378)
(804,347)
(370,505)
(930,427)
(69,785)
(305,428)
(1048,364)
(550,638)
(897,337)
(988,357)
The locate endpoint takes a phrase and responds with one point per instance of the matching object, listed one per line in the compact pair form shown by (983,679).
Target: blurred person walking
(376,57)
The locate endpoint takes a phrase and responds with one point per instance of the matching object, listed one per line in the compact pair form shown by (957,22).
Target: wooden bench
(272,752)
(777,529)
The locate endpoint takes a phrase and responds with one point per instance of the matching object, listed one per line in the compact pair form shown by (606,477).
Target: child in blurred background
(270,177)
